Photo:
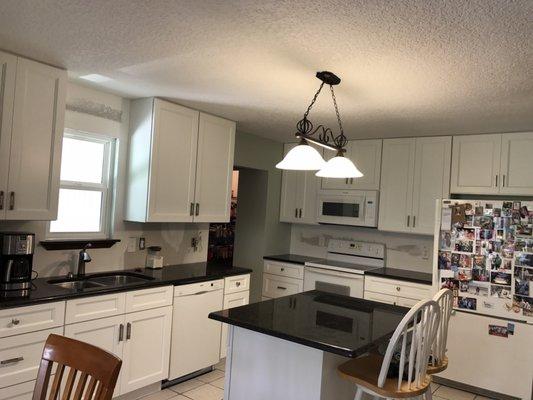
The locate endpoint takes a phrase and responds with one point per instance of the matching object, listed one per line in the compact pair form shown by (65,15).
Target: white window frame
(105,187)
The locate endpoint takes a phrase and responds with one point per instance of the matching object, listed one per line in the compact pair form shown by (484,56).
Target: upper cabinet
(31,130)
(366,155)
(298,195)
(493,164)
(415,172)
(180,164)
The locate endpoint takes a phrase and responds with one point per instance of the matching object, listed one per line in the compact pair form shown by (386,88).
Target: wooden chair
(92,372)
(438,361)
(411,345)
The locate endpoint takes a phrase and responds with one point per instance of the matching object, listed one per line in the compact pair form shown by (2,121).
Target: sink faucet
(83,258)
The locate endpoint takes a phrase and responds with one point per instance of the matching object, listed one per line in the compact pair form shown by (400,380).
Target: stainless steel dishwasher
(195,338)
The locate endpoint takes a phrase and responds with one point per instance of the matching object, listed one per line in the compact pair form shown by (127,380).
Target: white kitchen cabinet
(146,348)
(516,164)
(8,66)
(476,164)
(278,286)
(415,172)
(299,194)
(366,155)
(31,138)
(233,299)
(22,391)
(180,164)
(393,291)
(94,307)
(214,167)
(14,321)
(106,333)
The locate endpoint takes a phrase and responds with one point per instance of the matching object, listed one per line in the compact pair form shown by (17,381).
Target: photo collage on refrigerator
(486,256)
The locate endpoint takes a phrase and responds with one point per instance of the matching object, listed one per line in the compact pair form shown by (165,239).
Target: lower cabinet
(22,391)
(281,279)
(393,291)
(231,300)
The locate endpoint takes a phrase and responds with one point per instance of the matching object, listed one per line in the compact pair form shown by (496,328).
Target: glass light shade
(339,167)
(302,158)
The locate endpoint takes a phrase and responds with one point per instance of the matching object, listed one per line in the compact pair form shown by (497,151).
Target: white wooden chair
(438,361)
(411,345)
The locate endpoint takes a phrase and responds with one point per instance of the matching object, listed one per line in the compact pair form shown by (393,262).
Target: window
(85,189)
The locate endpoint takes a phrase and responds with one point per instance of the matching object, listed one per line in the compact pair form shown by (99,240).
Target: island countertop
(342,325)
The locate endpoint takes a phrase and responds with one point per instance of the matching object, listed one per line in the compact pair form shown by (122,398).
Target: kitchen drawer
(283,269)
(397,288)
(195,288)
(15,321)
(239,283)
(406,302)
(88,308)
(380,297)
(22,391)
(27,349)
(278,286)
(139,300)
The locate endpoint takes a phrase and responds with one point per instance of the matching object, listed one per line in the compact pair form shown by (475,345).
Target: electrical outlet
(142,243)
(425,253)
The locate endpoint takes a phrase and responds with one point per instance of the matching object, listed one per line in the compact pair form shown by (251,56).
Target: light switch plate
(132,245)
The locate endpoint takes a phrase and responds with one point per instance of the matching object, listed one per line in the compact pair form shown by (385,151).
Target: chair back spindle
(444,299)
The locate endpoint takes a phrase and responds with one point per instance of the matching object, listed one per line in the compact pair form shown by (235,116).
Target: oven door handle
(332,272)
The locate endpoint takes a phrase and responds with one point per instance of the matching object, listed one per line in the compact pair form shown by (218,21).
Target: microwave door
(342,210)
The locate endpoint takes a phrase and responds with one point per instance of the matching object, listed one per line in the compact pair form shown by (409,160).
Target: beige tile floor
(210,386)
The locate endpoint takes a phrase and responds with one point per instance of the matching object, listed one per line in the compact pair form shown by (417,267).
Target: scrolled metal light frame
(322,135)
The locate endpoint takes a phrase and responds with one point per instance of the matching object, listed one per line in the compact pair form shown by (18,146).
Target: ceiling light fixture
(306,158)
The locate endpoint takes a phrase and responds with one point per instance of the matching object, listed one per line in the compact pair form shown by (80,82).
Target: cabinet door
(292,187)
(396,196)
(146,353)
(36,141)
(476,164)
(216,143)
(516,165)
(172,163)
(432,181)
(106,333)
(8,65)
(231,301)
(309,194)
(366,155)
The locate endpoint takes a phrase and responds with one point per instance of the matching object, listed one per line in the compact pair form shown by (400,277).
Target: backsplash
(405,251)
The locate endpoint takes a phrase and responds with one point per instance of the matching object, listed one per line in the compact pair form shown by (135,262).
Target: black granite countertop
(342,325)
(403,275)
(294,258)
(44,292)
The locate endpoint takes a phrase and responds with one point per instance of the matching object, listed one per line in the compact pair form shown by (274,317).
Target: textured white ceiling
(408,67)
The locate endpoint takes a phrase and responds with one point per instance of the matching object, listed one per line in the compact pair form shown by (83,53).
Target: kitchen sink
(79,284)
(110,279)
(119,279)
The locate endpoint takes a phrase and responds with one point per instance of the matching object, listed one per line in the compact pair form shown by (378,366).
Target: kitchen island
(289,348)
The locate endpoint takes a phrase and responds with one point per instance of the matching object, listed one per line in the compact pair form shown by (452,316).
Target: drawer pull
(282,269)
(15,321)
(398,288)
(237,284)
(11,360)
(282,288)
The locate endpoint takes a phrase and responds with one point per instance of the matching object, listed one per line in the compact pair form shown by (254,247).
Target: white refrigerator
(483,251)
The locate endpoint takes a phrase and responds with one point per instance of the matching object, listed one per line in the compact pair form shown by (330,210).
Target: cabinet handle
(282,269)
(282,288)
(128,331)
(351,181)
(414,221)
(11,200)
(11,360)
(237,284)
(503,183)
(300,214)
(397,288)
(496,180)
(1,199)
(121,332)
(197,209)
(15,321)
(346,181)
(408,219)
(295,213)
(191,211)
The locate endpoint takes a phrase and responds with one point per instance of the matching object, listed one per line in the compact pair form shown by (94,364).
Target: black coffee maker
(16,262)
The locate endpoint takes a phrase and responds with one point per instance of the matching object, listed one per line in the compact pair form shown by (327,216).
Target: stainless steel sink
(77,284)
(119,279)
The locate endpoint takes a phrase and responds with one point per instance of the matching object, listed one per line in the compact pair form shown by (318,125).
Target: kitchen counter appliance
(342,272)
(16,262)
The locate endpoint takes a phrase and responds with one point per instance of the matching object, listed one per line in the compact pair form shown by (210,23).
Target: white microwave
(353,207)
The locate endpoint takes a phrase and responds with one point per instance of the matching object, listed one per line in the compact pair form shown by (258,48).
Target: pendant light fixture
(304,157)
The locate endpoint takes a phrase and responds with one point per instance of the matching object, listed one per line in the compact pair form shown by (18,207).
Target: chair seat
(364,372)
(435,369)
